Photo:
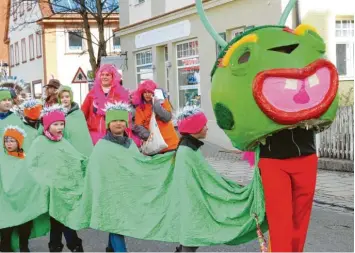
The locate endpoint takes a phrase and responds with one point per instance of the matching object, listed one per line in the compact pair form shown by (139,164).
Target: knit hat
(65,88)
(32,109)
(52,114)
(191,120)
(117,111)
(147,85)
(5,93)
(15,132)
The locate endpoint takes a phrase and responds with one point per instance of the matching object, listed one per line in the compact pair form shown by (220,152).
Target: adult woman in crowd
(143,99)
(107,88)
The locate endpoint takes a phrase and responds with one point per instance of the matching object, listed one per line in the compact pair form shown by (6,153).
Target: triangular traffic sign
(80,77)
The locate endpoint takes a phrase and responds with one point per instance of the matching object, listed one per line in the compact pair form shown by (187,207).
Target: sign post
(80,78)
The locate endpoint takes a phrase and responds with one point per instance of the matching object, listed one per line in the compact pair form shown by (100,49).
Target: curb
(336,165)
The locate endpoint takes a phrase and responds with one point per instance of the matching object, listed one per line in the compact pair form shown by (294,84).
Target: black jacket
(191,142)
(288,144)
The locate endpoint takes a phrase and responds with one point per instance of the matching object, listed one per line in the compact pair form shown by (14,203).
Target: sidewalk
(334,189)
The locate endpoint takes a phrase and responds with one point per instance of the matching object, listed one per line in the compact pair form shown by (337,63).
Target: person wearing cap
(7,117)
(210,201)
(116,122)
(56,165)
(146,104)
(22,200)
(76,130)
(51,92)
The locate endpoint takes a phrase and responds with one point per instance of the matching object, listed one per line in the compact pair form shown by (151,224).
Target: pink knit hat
(51,115)
(191,120)
(147,85)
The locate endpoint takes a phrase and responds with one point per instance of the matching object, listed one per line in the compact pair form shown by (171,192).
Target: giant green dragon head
(271,78)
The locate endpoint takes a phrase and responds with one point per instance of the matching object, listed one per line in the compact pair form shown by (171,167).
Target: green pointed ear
(221,42)
(287,11)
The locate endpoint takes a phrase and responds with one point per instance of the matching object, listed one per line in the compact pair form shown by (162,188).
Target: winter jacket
(165,124)
(95,121)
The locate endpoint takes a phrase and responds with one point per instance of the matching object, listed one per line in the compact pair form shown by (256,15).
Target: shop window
(344,35)
(188,71)
(144,65)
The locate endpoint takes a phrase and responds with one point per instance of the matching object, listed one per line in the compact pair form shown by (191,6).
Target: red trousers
(289,187)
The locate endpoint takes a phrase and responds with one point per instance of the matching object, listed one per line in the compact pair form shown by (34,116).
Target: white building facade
(46,45)
(26,46)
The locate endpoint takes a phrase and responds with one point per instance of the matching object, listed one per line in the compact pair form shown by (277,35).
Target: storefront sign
(163,34)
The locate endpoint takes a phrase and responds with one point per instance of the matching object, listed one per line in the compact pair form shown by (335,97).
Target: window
(21,6)
(31,46)
(14,9)
(237,31)
(17,53)
(12,58)
(23,50)
(29,5)
(218,47)
(188,68)
(39,44)
(116,43)
(144,65)
(37,89)
(75,41)
(344,35)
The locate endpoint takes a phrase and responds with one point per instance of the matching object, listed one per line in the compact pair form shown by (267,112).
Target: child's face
(65,99)
(203,133)
(11,144)
(57,128)
(5,105)
(118,127)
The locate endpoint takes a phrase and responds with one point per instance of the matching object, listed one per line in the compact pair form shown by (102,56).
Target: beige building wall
(4,49)
(225,15)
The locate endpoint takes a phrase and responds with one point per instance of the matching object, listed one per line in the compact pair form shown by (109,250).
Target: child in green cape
(21,199)
(76,129)
(7,117)
(58,166)
(213,209)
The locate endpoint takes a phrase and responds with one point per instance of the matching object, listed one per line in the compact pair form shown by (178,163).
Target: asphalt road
(331,230)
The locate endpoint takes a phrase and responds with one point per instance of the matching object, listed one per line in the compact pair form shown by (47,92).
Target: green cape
(77,132)
(60,168)
(149,198)
(21,198)
(31,135)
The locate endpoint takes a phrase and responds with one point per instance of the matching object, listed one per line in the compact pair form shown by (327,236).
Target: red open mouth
(289,96)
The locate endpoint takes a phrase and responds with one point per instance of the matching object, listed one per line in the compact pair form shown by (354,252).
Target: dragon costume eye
(244,57)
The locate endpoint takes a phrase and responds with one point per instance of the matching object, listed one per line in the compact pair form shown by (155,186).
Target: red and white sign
(80,77)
